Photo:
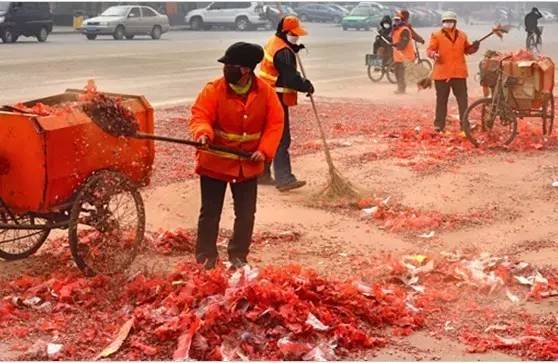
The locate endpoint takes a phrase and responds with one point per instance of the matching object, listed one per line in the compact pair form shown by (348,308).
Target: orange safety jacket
(406,54)
(251,123)
(452,46)
(269,73)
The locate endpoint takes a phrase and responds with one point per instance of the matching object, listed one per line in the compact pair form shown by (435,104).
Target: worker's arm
(539,15)
(432,50)
(285,63)
(405,39)
(274,124)
(204,113)
(416,36)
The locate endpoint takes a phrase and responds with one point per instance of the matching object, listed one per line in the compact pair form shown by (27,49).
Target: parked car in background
(319,12)
(342,9)
(126,22)
(273,14)
(240,15)
(362,17)
(25,19)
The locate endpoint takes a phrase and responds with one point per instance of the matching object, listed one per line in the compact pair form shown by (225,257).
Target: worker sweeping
(238,111)
(279,69)
(448,47)
(403,50)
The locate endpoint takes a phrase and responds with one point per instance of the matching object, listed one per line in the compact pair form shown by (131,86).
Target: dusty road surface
(449,254)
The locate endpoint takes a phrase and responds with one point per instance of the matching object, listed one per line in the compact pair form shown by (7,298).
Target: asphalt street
(173,70)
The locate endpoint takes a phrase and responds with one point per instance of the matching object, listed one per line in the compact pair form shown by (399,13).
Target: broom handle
(322,133)
(241,153)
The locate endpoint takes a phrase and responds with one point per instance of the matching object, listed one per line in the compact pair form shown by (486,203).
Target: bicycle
(531,42)
(492,120)
(378,66)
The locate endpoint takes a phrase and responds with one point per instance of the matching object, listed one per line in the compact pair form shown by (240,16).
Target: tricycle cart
(513,90)
(61,171)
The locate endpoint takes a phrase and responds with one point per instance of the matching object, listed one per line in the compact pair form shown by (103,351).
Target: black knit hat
(243,54)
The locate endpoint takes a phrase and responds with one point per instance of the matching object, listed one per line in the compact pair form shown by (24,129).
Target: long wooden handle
(241,153)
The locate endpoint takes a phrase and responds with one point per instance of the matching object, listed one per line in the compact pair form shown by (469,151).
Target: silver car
(126,22)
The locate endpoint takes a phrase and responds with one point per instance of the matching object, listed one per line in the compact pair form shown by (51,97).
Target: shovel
(121,127)
(499,30)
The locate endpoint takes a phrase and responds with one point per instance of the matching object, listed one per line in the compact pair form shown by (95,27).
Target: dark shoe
(237,262)
(290,186)
(209,263)
(266,180)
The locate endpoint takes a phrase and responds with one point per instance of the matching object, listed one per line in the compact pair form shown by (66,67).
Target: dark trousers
(399,69)
(459,88)
(213,195)
(282,162)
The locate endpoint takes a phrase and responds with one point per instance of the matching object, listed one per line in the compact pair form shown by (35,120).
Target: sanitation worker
(239,111)
(405,16)
(279,70)
(448,47)
(403,50)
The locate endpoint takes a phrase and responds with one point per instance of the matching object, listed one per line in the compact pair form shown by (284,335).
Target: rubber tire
(242,24)
(91,36)
(196,23)
(18,256)
(337,19)
(119,32)
(156,32)
(467,125)
(390,75)
(345,28)
(377,79)
(42,35)
(367,28)
(8,36)
(76,209)
(130,36)
(548,117)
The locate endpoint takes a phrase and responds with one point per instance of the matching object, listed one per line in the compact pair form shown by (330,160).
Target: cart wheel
(487,127)
(107,224)
(375,73)
(16,244)
(548,114)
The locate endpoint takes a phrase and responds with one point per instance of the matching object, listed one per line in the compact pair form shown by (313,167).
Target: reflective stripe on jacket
(254,123)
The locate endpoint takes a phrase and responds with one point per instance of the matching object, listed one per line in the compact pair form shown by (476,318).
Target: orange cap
(292,25)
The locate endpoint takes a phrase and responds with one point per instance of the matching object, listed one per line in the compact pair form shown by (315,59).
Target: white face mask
(386,26)
(448,25)
(293,39)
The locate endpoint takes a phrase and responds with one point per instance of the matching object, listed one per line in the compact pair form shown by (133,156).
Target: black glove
(309,88)
(476,44)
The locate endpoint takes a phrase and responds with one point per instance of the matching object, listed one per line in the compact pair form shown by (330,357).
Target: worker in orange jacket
(448,47)
(239,111)
(403,50)
(279,70)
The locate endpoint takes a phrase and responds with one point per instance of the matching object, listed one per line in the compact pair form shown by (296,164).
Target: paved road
(173,69)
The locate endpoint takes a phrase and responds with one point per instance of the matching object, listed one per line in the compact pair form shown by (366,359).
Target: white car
(240,15)
(126,22)
(548,17)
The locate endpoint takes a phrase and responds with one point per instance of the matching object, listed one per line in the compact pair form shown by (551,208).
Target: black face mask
(232,74)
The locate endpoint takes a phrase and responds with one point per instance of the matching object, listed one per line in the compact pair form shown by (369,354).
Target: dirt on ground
(424,196)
